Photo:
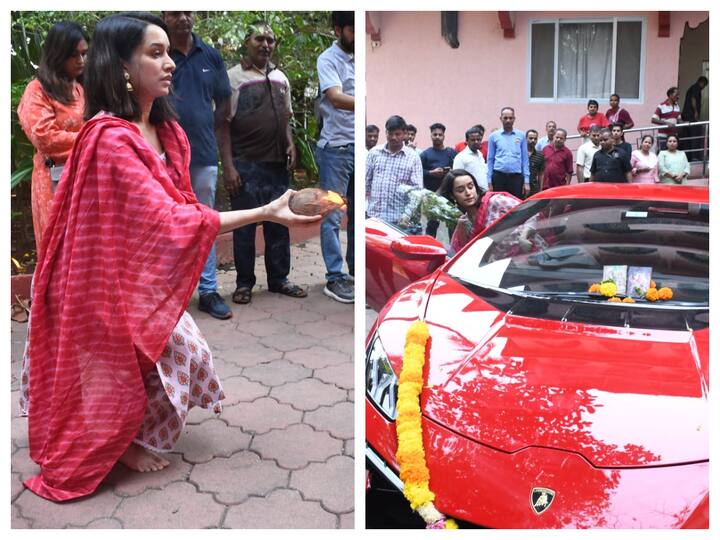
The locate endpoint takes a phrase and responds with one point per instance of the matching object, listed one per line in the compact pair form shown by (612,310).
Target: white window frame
(614,20)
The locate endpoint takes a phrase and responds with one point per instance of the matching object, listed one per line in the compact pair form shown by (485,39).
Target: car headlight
(380,379)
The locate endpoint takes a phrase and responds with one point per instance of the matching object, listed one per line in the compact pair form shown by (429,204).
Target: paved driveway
(281,453)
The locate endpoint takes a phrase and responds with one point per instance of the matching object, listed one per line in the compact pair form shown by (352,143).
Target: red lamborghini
(546,406)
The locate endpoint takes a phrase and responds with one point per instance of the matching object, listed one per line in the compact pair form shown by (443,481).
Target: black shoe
(340,290)
(213,304)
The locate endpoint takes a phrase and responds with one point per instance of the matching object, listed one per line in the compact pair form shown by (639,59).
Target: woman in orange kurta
(51,112)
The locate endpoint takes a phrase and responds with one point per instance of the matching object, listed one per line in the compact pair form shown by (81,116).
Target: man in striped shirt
(388,167)
(537,161)
(667,114)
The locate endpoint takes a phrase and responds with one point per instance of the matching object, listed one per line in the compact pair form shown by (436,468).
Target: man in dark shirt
(199,81)
(692,135)
(436,162)
(608,164)
(537,161)
(263,154)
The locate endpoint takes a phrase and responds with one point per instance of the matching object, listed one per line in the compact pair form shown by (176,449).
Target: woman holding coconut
(114,362)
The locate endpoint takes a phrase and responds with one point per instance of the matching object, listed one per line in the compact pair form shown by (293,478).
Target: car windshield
(558,248)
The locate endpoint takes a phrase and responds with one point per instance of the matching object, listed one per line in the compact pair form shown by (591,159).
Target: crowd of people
(129,125)
(520,164)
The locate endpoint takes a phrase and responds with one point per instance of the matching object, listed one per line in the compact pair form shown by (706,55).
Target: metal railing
(694,142)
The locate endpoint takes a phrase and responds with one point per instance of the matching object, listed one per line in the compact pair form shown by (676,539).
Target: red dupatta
(486,216)
(120,259)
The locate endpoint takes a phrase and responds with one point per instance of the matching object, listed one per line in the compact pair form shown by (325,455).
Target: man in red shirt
(592,118)
(558,162)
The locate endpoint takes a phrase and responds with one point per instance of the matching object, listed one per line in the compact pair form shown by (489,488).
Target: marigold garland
(410,453)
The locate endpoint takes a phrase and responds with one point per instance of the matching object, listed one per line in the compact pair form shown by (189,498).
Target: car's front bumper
(490,488)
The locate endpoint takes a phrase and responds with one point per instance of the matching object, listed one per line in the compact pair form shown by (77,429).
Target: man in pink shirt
(558,162)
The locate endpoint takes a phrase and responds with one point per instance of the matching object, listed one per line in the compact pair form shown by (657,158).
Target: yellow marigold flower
(594,288)
(653,285)
(652,294)
(665,293)
(608,288)
(628,300)
(614,299)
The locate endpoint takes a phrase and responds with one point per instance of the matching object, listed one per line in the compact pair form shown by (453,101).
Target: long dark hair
(448,182)
(60,45)
(115,40)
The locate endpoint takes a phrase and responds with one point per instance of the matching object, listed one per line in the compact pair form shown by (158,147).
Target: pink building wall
(415,73)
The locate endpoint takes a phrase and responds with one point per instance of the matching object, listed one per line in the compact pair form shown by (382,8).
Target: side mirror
(420,248)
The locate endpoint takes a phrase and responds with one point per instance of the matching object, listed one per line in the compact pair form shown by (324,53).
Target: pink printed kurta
(52,128)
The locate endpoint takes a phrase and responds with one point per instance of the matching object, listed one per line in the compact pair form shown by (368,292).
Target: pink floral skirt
(185,378)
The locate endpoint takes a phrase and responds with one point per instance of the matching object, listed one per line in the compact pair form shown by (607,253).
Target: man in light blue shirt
(335,152)
(508,165)
(550,128)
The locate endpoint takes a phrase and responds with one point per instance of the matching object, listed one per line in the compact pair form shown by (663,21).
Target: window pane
(627,65)
(584,60)
(543,60)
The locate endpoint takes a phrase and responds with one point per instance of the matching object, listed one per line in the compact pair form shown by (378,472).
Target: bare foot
(139,459)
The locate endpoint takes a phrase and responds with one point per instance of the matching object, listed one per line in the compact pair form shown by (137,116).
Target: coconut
(314,201)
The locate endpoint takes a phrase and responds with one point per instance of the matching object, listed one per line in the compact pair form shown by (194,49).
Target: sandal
(20,309)
(18,313)
(242,295)
(290,289)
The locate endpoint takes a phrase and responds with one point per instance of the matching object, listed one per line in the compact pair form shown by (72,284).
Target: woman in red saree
(480,208)
(51,113)
(113,361)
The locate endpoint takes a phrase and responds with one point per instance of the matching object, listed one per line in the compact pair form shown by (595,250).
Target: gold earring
(128,85)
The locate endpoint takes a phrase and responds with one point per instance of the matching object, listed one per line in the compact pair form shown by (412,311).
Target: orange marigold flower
(653,285)
(628,300)
(665,293)
(614,299)
(652,294)
(594,288)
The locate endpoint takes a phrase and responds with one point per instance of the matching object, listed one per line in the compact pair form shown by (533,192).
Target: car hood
(619,397)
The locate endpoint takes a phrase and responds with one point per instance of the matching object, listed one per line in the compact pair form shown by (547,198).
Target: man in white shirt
(585,154)
(471,158)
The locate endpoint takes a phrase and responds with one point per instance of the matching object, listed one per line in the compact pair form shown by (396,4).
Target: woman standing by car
(673,163)
(644,162)
(480,208)
(51,113)
(114,363)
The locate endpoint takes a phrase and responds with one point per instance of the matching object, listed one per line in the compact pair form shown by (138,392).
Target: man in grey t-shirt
(335,152)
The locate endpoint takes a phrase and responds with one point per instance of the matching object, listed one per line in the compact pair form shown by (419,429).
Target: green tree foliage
(302,36)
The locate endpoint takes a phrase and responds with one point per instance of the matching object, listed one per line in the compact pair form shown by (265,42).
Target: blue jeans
(204,181)
(337,173)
